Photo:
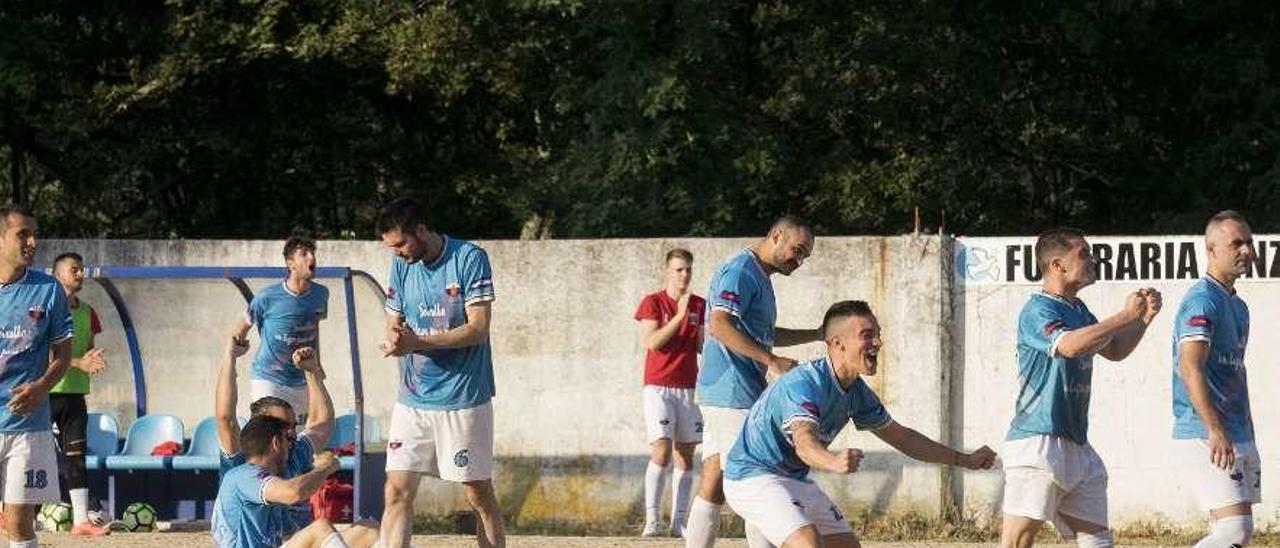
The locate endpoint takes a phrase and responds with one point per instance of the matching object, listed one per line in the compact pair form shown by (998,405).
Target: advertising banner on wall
(1012,260)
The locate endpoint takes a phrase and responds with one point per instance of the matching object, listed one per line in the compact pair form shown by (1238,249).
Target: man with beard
(438,312)
(741,318)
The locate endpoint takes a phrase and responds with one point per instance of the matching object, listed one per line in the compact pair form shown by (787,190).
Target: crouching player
(789,427)
(252,509)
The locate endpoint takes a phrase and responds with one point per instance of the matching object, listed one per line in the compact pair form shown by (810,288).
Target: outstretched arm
(915,445)
(319,405)
(224,398)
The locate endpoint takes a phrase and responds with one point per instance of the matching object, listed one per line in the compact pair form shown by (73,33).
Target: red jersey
(675,364)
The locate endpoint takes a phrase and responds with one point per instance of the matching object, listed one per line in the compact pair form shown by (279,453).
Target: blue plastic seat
(344,432)
(102,440)
(144,434)
(204,452)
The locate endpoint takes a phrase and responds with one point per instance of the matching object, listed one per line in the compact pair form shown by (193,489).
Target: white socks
(1101,539)
(703,525)
(655,482)
(79,506)
(681,489)
(1228,532)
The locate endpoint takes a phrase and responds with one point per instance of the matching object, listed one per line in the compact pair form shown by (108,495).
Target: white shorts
(722,426)
(778,506)
(29,467)
(451,445)
(1046,477)
(334,540)
(670,413)
(297,397)
(1217,488)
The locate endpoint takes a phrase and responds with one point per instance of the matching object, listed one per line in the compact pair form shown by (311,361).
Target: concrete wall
(568,361)
(1130,414)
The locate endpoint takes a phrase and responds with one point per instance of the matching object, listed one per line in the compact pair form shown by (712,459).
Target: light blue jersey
(286,321)
(742,288)
(33,317)
(242,518)
(1212,314)
(1053,398)
(433,299)
(810,393)
(301,458)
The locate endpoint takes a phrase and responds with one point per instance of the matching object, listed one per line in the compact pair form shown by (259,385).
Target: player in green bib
(67,398)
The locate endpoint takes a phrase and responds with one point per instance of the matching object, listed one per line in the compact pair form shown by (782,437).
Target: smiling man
(287,316)
(1051,471)
(737,355)
(789,429)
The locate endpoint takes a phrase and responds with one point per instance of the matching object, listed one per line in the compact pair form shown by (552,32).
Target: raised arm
(319,405)
(225,396)
(1127,339)
(657,335)
(915,445)
(1091,339)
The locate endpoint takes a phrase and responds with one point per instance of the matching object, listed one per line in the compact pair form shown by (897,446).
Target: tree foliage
(577,118)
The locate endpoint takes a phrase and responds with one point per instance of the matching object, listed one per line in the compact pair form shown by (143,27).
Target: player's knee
(480,496)
(396,494)
(1233,530)
(804,537)
(1101,539)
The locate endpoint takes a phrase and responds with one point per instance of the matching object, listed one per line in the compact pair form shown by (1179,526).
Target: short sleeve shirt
(33,318)
(741,288)
(242,518)
(674,365)
(1214,315)
(286,321)
(301,458)
(1054,391)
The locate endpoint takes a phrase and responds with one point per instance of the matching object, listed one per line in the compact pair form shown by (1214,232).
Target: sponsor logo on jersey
(730,296)
(811,407)
(1053,326)
(1200,321)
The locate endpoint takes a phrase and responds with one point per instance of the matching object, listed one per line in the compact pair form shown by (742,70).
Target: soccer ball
(55,517)
(139,517)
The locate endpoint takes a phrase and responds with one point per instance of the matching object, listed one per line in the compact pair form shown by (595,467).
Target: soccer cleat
(88,529)
(651,530)
(676,531)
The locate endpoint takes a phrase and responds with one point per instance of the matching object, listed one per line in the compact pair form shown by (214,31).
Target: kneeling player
(252,509)
(789,427)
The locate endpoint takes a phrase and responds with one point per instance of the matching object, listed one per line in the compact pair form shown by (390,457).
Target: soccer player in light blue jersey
(287,315)
(736,356)
(1051,471)
(790,427)
(1211,419)
(35,351)
(304,446)
(438,310)
(252,509)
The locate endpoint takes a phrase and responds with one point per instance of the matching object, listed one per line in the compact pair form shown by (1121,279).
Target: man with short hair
(1211,388)
(36,331)
(742,314)
(790,427)
(671,327)
(287,316)
(1051,471)
(252,509)
(438,312)
(304,446)
(67,405)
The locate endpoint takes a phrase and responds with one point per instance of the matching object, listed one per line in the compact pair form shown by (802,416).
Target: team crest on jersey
(1053,326)
(1200,321)
(453,291)
(461,459)
(36,312)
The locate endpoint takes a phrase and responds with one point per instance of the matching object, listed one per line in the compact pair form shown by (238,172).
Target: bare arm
(804,435)
(915,445)
(26,398)
(721,327)
(240,329)
(792,337)
(655,336)
(92,362)
(1125,341)
(402,340)
(1193,356)
(300,488)
(319,404)
(225,396)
